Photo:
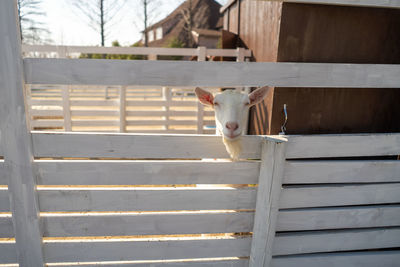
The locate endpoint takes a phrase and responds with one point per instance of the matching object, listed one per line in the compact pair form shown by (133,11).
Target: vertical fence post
(16,142)
(269,187)
(201,56)
(28,106)
(167,97)
(66,108)
(240,51)
(201,53)
(122,109)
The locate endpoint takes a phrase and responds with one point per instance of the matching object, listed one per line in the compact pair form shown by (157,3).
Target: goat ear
(204,96)
(258,95)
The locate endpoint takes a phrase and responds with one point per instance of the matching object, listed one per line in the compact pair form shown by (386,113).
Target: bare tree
(187,14)
(32,28)
(147,12)
(100,15)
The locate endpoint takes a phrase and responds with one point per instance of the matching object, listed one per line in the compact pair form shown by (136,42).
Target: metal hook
(283,127)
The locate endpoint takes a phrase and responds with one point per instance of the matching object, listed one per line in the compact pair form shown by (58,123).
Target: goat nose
(232,126)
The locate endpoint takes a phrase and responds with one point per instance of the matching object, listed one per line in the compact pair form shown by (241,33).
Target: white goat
(230,114)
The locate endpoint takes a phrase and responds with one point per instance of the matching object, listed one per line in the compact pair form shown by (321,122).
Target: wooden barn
(325,32)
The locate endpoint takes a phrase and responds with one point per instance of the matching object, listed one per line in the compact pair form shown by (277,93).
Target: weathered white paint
(16,142)
(3,173)
(325,196)
(221,262)
(148,224)
(66,108)
(348,259)
(230,74)
(339,171)
(4,201)
(145,250)
(8,252)
(150,199)
(340,240)
(338,218)
(346,145)
(103,172)
(270,183)
(6,227)
(137,146)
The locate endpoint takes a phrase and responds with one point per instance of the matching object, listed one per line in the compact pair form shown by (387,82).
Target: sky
(69,27)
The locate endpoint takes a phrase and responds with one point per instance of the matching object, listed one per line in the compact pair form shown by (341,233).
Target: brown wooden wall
(318,33)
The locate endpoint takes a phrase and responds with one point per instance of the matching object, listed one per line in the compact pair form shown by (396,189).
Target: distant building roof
(206,16)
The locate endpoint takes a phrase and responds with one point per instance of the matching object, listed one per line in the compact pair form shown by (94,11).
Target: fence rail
(176,200)
(68,51)
(118,109)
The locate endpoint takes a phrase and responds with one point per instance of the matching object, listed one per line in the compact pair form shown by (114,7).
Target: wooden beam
(161,51)
(225,74)
(137,146)
(268,193)
(344,145)
(16,142)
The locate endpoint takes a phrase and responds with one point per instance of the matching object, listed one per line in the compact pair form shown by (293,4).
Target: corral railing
(130,109)
(202,53)
(140,109)
(127,199)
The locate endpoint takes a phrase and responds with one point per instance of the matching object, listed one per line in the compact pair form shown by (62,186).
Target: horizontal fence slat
(320,196)
(322,146)
(331,241)
(147,224)
(4,201)
(146,172)
(89,123)
(6,228)
(3,173)
(147,200)
(45,113)
(44,102)
(222,262)
(94,113)
(338,218)
(161,122)
(145,250)
(47,123)
(8,252)
(187,73)
(348,259)
(160,103)
(137,146)
(162,51)
(94,103)
(339,171)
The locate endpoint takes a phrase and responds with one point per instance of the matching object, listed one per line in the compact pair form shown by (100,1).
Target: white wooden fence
(121,108)
(117,199)
(118,109)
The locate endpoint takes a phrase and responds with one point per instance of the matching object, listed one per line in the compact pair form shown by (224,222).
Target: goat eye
(216,104)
